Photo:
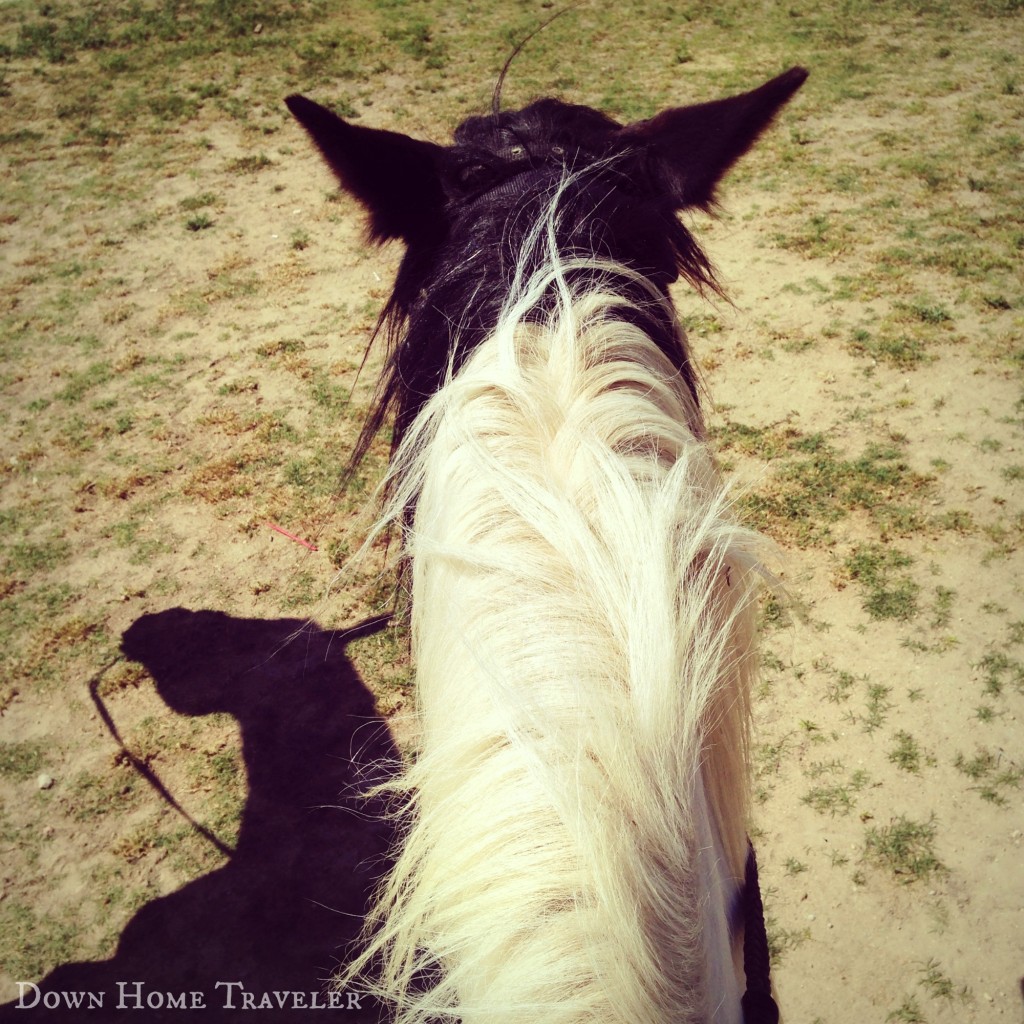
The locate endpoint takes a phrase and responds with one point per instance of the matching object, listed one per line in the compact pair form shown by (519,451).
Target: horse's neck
(716,882)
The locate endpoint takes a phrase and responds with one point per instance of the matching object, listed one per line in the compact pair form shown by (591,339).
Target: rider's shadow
(279,916)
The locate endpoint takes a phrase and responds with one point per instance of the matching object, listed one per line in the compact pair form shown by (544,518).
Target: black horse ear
(695,146)
(394,176)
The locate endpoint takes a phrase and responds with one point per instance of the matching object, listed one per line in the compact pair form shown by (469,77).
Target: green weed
(823,237)
(814,486)
(925,311)
(250,164)
(197,202)
(889,593)
(836,798)
(906,754)
(942,610)
(35,943)
(985,713)
(80,384)
(781,940)
(1001,670)
(27,559)
(908,1012)
(876,707)
(939,985)
(339,54)
(905,847)
(90,796)
(901,351)
(173,106)
(838,688)
(21,759)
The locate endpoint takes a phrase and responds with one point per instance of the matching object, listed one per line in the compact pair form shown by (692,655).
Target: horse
(583,597)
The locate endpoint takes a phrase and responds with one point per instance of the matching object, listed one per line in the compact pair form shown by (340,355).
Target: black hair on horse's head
(465,211)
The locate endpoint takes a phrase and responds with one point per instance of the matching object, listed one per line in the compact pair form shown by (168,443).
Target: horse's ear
(394,176)
(695,146)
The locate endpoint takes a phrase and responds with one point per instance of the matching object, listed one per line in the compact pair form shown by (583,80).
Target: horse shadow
(258,938)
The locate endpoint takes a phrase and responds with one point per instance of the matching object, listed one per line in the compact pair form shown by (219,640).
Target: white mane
(582,605)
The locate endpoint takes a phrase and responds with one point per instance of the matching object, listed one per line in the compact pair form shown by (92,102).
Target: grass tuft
(905,847)
(906,755)
(889,593)
(21,759)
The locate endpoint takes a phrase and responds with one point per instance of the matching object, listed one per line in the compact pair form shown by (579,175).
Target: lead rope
(758,1005)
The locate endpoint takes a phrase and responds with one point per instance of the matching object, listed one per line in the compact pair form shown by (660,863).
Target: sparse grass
(30,559)
(21,760)
(924,310)
(876,706)
(35,942)
(906,754)
(836,798)
(80,384)
(889,593)
(838,688)
(822,236)
(197,202)
(814,487)
(942,610)
(994,773)
(768,756)
(199,222)
(250,164)
(908,1012)
(905,847)
(387,652)
(901,351)
(939,985)
(781,940)
(90,795)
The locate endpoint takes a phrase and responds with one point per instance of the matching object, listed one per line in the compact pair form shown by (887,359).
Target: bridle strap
(757,1003)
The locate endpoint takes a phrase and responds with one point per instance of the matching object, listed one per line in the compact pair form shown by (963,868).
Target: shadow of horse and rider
(257,939)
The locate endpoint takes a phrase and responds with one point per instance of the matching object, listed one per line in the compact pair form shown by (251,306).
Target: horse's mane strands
(559,838)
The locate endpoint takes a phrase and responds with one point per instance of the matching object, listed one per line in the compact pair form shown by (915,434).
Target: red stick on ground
(291,536)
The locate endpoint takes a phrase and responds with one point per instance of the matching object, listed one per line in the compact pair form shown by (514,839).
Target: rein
(758,1005)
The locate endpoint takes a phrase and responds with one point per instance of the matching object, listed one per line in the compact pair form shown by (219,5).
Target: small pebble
(44,781)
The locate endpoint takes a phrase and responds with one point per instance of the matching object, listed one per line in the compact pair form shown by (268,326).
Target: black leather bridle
(759,1007)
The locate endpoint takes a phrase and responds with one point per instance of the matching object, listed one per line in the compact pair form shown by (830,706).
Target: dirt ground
(191,699)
